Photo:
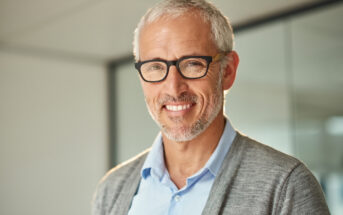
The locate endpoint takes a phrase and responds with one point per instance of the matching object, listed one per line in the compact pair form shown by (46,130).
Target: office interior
(72,107)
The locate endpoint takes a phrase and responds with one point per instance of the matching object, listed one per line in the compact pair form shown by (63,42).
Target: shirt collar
(214,162)
(154,164)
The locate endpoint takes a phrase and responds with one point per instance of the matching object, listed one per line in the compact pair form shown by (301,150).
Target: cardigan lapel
(218,194)
(129,188)
(222,184)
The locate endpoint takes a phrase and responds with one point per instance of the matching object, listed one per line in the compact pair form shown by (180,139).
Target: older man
(199,164)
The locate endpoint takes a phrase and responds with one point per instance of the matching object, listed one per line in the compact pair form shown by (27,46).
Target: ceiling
(99,31)
(96,31)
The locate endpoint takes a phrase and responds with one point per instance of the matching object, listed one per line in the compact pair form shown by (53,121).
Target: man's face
(183,108)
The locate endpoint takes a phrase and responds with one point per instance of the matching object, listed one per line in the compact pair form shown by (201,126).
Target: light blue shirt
(158,195)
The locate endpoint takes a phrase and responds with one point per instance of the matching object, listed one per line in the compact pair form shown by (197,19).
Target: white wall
(136,130)
(53,135)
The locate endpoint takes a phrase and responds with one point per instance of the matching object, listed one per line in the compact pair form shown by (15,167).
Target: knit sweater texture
(253,179)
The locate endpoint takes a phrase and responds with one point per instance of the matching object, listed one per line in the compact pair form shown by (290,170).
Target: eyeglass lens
(189,67)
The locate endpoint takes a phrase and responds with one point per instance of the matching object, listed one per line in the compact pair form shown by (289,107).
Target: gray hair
(222,34)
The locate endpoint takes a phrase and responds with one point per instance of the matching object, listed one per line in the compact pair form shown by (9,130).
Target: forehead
(174,37)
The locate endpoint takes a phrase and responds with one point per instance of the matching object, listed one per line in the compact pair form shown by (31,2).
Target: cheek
(150,94)
(213,78)
(147,90)
(209,88)
(210,94)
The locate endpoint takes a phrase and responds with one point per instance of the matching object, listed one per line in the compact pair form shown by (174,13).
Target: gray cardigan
(253,179)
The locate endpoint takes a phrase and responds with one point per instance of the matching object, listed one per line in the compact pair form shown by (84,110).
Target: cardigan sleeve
(103,198)
(116,189)
(301,194)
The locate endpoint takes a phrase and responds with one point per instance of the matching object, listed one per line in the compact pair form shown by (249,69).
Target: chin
(179,136)
(187,133)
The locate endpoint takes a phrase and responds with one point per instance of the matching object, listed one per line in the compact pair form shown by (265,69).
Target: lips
(180,104)
(178,107)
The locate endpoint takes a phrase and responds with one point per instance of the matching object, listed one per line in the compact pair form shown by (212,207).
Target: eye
(153,67)
(193,65)
(156,67)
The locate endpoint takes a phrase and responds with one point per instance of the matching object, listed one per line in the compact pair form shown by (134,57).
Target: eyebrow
(157,58)
(188,55)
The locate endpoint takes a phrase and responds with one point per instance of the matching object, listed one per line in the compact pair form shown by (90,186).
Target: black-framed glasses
(190,67)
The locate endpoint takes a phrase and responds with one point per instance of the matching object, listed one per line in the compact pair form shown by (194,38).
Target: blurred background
(71,106)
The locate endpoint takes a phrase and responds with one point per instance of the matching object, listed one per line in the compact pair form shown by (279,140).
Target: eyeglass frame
(169,63)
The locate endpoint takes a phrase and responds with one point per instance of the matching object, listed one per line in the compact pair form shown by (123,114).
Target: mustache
(184,97)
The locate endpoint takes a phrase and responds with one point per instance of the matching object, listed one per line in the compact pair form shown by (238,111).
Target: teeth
(177,107)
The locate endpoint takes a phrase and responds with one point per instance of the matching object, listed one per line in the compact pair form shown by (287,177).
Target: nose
(175,83)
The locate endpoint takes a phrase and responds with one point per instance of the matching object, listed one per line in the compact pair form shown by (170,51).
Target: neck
(183,159)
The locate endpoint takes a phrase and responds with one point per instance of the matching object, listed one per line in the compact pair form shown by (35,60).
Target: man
(199,164)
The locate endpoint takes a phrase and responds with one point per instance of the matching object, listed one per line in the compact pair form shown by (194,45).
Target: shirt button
(177,198)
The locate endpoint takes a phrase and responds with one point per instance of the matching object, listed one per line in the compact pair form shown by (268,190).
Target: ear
(229,72)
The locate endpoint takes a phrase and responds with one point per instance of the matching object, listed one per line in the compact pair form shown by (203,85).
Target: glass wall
(317,92)
(288,94)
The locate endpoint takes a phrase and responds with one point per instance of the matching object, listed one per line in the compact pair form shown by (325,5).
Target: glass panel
(258,104)
(317,53)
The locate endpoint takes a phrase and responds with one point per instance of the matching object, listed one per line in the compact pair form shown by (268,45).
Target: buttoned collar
(154,165)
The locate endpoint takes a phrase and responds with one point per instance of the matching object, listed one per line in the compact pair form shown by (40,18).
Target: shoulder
(290,182)
(125,169)
(114,183)
(301,193)
(262,157)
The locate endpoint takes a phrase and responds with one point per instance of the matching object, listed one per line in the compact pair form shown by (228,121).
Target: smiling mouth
(178,107)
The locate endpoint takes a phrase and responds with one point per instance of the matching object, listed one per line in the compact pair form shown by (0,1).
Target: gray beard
(189,133)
